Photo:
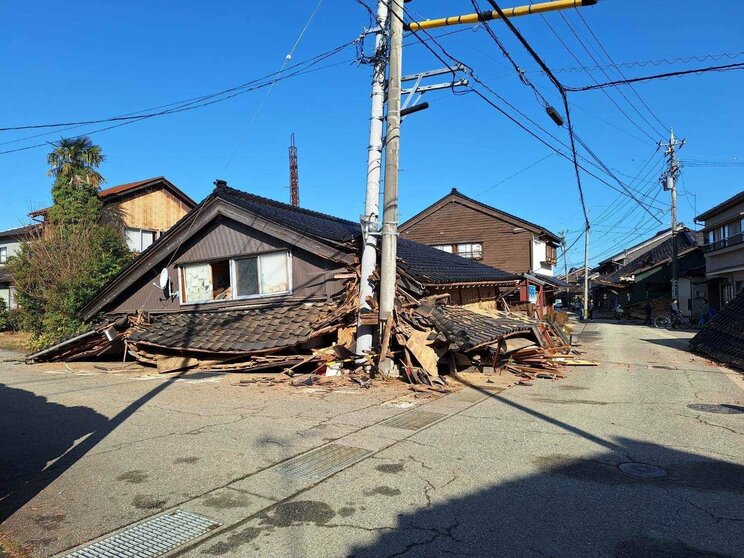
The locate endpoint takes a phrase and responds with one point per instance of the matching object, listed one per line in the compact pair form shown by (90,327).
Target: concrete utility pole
(564,234)
(392,146)
(669,182)
(365,333)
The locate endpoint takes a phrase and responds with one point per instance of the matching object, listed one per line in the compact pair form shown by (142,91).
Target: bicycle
(681,321)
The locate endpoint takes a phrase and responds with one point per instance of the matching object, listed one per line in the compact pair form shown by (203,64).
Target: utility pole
(294,180)
(669,182)
(392,146)
(586,271)
(365,332)
(564,234)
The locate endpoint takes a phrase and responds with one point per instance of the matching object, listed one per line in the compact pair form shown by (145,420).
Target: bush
(8,318)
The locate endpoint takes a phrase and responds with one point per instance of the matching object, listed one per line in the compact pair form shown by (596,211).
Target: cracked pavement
(532,471)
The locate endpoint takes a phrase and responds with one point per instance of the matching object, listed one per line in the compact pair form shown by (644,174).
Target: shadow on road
(679,343)
(584,507)
(35,432)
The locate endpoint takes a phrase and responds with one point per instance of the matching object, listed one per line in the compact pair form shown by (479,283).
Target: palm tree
(74,165)
(75,161)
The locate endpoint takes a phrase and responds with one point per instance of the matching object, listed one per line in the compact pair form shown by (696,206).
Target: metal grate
(152,538)
(467,395)
(413,420)
(322,462)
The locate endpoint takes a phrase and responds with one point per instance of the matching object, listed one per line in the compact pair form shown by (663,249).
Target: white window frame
(233,275)
(155,235)
(3,255)
(471,251)
(447,248)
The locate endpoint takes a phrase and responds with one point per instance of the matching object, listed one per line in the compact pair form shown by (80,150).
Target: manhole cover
(723,409)
(642,470)
(152,538)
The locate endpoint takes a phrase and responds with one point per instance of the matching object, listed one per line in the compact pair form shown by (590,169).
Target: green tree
(74,165)
(74,253)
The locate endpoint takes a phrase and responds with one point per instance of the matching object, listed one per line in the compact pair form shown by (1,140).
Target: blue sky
(96,60)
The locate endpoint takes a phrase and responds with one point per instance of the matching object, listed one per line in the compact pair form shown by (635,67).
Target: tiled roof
(18,232)
(5,276)
(432,266)
(553,281)
(237,331)
(723,337)
(661,252)
(303,220)
(468,329)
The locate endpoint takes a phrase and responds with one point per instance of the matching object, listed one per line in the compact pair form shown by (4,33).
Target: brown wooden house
(461,225)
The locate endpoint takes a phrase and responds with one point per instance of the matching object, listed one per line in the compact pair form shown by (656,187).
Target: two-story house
(724,250)
(471,229)
(143,210)
(10,241)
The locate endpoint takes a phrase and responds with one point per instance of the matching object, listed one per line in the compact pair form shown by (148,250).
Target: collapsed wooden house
(247,283)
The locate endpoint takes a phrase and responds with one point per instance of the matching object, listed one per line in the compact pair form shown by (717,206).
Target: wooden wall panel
(455,223)
(154,209)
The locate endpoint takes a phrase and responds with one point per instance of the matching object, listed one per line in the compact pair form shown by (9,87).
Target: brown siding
(312,276)
(455,223)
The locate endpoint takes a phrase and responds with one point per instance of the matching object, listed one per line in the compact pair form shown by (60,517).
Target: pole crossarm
(469,19)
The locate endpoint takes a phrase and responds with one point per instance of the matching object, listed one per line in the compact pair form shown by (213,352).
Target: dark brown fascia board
(507,283)
(211,209)
(490,211)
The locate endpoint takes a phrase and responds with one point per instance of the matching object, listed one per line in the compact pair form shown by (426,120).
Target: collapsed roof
(722,338)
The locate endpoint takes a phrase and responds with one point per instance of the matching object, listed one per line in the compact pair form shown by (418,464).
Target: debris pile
(425,340)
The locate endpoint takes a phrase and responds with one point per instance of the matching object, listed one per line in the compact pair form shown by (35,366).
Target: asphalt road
(529,471)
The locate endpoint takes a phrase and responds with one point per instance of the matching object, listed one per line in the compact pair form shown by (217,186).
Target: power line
(658,62)
(187,102)
(613,101)
(723,68)
(548,156)
(607,54)
(270,89)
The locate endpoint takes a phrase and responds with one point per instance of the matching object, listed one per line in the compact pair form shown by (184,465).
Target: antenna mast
(294,180)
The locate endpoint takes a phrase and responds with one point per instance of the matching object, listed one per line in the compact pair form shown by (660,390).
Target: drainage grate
(467,395)
(322,462)
(152,538)
(645,470)
(724,409)
(413,420)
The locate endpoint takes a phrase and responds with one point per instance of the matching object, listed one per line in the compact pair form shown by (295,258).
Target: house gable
(506,245)
(218,229)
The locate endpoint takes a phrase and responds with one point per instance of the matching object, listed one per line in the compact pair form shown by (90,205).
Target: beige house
(724,249)
(143,210)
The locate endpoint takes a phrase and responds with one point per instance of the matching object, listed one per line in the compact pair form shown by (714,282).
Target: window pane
(274,276)
(477,250)
(148,237)
(198,283)
(246,276)
(133,239)
(444,248)
(3,255)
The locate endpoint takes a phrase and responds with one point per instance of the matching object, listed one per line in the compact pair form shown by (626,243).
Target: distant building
(724,250)
(461,225)
(10,241)
(143,210)
(644,272)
